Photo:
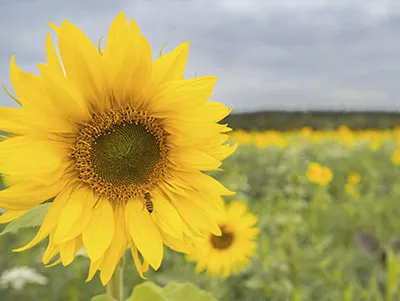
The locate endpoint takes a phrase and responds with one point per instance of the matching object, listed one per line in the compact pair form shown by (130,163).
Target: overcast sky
(267,54)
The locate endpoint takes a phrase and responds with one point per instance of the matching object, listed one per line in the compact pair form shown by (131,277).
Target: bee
(148,203)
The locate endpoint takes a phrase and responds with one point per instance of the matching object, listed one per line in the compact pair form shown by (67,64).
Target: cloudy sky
(282,54)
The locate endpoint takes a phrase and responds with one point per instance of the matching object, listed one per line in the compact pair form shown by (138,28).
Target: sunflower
(319,174)
(353,177)
(105,134)
(396,157)
(231,251)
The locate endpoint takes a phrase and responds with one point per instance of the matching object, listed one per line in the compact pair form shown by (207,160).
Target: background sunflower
(231,251)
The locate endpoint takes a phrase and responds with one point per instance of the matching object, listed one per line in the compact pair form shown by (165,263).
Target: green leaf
(186,291)
(147,291)
(32,218)
(102,298)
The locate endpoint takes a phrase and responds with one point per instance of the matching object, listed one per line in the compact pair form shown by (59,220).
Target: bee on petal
(148,203)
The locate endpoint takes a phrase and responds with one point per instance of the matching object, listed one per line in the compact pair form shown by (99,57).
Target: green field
(307,249)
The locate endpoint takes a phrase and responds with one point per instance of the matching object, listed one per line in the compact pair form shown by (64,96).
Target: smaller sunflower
(396,157)
(319,174)
(230,252)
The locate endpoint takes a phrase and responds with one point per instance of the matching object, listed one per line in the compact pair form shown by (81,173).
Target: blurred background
(312,83)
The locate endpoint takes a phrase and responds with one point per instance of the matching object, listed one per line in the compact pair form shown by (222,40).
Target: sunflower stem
(115,288)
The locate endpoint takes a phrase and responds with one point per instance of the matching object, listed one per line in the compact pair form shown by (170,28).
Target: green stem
(115,288)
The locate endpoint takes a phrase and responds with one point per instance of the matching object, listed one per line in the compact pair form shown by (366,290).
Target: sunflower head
(319,174)
(119,142)
(231,251)
(396,157)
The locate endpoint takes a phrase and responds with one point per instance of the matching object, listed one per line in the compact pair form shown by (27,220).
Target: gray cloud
(268,54)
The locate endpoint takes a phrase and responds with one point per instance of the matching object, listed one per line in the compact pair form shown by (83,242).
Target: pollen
(121,154)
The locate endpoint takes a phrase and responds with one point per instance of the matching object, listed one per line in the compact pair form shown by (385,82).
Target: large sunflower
(118,143)
(231,251)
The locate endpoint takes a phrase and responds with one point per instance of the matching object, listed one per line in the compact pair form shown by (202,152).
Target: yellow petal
(99,233)
(9,215)
(51,252)
(31,93)
(122,49)
(141,75)
(185,133)
(213,206)
(166,217)
(67,251)
(54,27)
(179,245)
(221,152)
(117,247)
(82,63)
(127,47)
(210,197)
(54,263)
(144,233)
(170,66)
(136,260)
(210,111)
(50,221)
(28,157)
(28,194)
(94,266)
(75,216)
(199,179)
(145,266)
(181,95)
(193,214)
(192,159)
(51,54)
(28,88)
(118,33)
(64,95)
(15,121)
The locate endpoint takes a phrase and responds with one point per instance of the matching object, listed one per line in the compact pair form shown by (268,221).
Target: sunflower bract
(99,130)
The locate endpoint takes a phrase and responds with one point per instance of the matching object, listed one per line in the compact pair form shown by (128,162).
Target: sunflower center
(121,154)
(125,154)
(224,241)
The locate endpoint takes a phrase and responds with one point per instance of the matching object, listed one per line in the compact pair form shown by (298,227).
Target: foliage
(102,297)
(149,291)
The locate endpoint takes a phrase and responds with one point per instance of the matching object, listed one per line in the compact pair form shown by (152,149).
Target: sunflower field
(328,220)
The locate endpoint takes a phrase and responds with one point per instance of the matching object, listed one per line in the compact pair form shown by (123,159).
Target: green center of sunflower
(121,154)
(224,241)
(125,154)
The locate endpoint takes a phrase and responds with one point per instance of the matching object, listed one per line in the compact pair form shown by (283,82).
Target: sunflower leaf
(181,291)
(102,298)
(32,218)
(147,291)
